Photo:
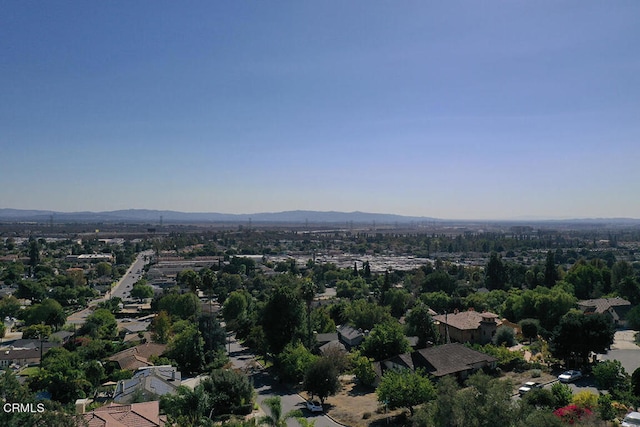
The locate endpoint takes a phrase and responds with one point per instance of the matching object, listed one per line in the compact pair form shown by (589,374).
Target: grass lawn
(30,371)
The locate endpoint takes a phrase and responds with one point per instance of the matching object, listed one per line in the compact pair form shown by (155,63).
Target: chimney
(81,405)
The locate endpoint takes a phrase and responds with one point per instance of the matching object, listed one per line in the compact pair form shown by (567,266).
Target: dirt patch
(519,378)
(356,405)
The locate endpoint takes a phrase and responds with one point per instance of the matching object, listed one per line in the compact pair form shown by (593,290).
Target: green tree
(397,300)
(161,326)
(530,328)
(141,291)
(49,312)
(281,317)
(189,279)
(275,417)
(103,269)
(579,334)
(34,253)
(9,306)
(321,379)
(230,392)
(36,331)
(550,270)
(611,375)
(421,325)
(215,338)
(294,361)
(365,315)
(101,324)
(504,336)
(437,301)
(587,280)
(485,402)
(405,389)
(562,393)
(495,273)
(363,368)
(30,289)
(186,407)
(308,291)
(187,350)
(635,382)
(62,375)
(235,306)
(385,340)
(540,398)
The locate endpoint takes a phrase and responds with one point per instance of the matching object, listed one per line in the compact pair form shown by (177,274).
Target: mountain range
(167,216)
(296,216)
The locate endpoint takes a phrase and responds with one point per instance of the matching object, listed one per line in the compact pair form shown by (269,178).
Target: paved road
(625,350)
(266,386)
(122,288)
(133,274)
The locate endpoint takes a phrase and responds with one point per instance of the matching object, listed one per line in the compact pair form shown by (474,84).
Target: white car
(569,376)
(314,406)
(528,386)
(631,420)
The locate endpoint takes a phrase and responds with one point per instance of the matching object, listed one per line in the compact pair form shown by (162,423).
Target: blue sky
(457,109)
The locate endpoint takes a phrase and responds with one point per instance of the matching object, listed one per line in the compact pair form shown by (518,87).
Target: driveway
(624,350)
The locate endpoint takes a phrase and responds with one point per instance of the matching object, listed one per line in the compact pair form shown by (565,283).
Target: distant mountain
(153,216)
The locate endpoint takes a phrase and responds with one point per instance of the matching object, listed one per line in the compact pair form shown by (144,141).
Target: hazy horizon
(257,214)
(454,110)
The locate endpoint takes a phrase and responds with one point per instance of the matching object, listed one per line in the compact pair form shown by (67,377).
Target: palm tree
(276,419)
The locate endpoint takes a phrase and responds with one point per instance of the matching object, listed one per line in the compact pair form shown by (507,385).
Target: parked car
(632,419)
(314,406)
(528,386)
(569,376)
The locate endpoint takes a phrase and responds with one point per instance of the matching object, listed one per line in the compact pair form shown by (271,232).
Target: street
(266,386)
(122,288)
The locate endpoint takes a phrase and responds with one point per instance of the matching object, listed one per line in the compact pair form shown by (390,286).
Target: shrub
(585,399)
(505,336)
(572,413)
(536,373)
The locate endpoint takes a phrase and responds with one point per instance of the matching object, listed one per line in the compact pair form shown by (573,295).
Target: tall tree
(385,340)
(495,273)
(420,324)
(308,292)
(321,379)
(187,349)
(281,317)
(579,334)
(550,270)
(34,253)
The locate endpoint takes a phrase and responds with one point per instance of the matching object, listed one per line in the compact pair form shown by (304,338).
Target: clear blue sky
(448,109)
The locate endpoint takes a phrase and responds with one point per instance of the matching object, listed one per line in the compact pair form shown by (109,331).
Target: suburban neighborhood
(233,320)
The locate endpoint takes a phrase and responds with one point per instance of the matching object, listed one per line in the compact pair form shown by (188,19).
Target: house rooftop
(465,320)
(451,358)
(145,414)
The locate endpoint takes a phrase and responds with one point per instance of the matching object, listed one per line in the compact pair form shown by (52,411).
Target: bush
(505,336)
(536,373)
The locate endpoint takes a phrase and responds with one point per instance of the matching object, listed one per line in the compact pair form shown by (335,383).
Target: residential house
(448,359)
(146,414)
(468,326)
(350,336)
(138,356)
(20,357)
(148,382)
(615,308)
